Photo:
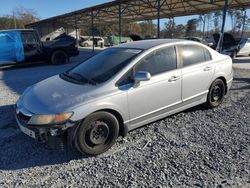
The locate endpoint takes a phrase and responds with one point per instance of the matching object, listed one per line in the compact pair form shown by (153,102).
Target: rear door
(197,71)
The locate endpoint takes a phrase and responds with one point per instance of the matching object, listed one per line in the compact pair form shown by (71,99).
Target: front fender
(116,103)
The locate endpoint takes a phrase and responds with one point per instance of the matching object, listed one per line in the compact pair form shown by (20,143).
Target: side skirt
(165,112)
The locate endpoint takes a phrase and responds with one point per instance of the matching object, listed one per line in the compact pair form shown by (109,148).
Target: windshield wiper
(78,77)
(68,75)
(82,78)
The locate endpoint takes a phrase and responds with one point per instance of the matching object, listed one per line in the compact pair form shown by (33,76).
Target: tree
(191,27)
(172,30)
(148,28)
(217,20)
(18,18)
(132,28)
(25,16)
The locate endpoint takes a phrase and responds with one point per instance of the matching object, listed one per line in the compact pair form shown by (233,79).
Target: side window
(194,54)
(159,61)
(29,38)
(207,55)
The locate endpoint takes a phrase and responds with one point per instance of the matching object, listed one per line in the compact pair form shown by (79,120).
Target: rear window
(194,54)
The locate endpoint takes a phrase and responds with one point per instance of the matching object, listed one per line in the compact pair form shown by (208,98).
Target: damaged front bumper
(49,134)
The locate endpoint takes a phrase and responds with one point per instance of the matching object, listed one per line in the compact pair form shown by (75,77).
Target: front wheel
(97,133)
(59,57)
(216,93)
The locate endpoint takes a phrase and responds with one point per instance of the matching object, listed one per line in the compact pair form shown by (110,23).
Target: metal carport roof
(139,10)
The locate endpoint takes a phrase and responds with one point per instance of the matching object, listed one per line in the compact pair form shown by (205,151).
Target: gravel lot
(196,148)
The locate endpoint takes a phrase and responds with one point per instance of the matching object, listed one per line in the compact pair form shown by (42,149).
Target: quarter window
(193,54)
(159,61)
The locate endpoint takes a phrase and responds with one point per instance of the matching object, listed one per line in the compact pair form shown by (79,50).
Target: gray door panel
(160,92)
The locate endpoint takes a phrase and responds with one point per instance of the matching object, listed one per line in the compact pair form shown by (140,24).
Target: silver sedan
(121,89)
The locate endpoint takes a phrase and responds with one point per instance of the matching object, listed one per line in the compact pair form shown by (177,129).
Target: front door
(152,98)
(31,46)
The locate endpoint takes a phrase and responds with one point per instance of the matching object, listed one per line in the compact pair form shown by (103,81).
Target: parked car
(19,46)
(87,41)
(197,39)
(54,35)
(123,88)
(229,45)
(115,40)
(244,47)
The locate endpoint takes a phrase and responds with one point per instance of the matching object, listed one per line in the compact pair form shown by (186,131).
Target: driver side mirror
(142,76)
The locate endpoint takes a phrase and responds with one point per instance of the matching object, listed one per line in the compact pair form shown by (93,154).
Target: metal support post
(158,18)
(120,27)
(220,42)
(76,31)
(92,28)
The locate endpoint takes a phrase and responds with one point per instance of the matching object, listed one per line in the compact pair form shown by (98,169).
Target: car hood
(228,40)
(55,95)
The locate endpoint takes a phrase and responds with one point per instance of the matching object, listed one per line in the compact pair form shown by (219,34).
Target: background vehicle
(244,47)
(115,40)
(197,39)
(87,41)
(123,88)
(229,45)
(19,46)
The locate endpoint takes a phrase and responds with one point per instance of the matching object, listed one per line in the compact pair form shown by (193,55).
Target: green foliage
(172,30)
(191,27)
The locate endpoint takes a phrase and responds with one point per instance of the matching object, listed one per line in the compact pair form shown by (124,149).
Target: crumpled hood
(55,95)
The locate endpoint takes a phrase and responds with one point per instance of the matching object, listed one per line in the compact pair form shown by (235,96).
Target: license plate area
(27,131)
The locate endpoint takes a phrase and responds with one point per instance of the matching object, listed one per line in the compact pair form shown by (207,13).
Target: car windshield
(103,66)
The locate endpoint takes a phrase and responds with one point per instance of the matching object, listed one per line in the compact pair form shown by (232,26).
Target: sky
(50,8)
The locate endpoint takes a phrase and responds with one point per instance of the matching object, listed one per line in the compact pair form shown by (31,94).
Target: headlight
(49,119)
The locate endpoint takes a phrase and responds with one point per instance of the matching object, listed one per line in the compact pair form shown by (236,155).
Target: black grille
(23,118)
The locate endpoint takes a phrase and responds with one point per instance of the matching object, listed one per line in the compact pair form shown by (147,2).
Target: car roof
(147,44)
(16,30)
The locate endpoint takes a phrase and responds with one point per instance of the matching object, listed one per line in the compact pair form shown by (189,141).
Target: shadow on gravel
(246,85)
(19,151)
(200,107)
(241,59)
(7,115)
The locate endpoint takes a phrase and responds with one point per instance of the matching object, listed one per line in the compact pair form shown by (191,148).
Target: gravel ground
(196,148)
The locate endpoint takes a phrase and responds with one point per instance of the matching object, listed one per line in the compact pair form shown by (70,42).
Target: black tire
(85,45)
(216,93)
(59,57)
(97,133)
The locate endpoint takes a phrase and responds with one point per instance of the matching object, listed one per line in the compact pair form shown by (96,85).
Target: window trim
(174,46)
(178,63)
(30,33)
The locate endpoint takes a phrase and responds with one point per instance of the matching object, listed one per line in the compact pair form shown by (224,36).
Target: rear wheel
(216,93)
(59,57)
(97,133)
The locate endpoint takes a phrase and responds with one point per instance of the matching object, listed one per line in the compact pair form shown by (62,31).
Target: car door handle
(174,78)
(208,68)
